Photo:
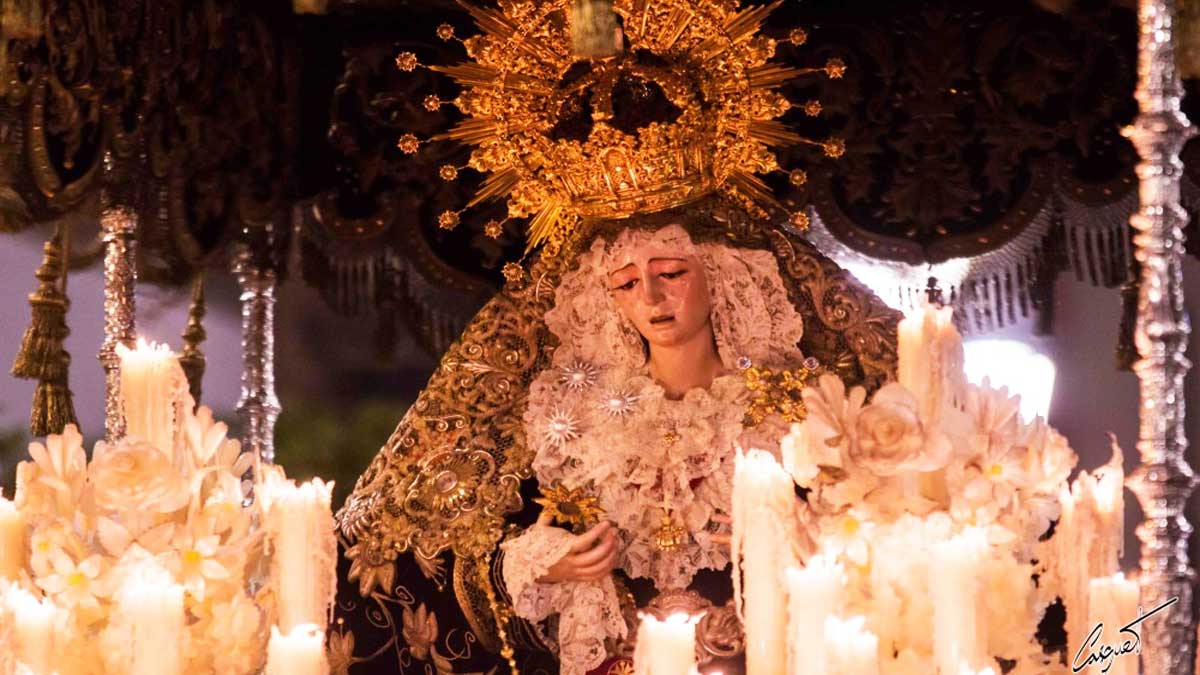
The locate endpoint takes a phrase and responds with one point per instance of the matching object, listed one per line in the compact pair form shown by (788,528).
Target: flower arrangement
(936,528)
(153,557)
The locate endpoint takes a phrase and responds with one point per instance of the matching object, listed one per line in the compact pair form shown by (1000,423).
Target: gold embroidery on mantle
(451,471)
(471,589)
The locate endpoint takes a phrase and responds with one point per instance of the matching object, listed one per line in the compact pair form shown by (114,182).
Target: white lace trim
(588,612)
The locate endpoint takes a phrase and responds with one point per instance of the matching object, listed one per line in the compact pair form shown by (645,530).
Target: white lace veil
(752,316)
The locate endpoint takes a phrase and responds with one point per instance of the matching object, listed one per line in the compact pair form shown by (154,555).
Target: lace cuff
(527,558)
(589,611)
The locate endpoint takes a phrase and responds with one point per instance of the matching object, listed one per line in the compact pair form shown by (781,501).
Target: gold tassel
(42,356)
(53,405)
(43,341)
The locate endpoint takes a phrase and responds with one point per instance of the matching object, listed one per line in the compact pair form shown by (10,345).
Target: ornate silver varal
(119,225)
(1164,480)
(258,405)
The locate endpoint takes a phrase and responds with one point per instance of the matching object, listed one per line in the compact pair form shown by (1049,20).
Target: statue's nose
(652,293)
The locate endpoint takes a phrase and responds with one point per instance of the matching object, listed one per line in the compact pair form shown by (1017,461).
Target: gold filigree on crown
(686,105)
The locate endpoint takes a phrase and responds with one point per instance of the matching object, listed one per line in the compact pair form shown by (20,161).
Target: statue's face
(663,292)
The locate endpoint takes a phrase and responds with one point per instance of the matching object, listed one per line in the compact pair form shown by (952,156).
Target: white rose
(890,436)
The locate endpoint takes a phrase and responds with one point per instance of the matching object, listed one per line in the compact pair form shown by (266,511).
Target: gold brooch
(573,508)
(670,535)
(778,392)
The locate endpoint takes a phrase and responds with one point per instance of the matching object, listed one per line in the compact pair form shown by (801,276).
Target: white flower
(618,402)
(561,427)
(195,564)
(57,473)
(994,417)
(206,439)
(850,489)
(132,476)
(578,375)
(846,534)
(76,585)
(831,413)
(223,506)
(49,540)
(1008,469)
(891,437)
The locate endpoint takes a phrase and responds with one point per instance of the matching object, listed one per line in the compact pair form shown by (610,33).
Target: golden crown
(606,108)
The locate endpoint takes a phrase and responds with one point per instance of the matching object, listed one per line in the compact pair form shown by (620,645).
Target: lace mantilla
(751,313)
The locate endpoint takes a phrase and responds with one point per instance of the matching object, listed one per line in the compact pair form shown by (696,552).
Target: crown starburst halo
(687,107)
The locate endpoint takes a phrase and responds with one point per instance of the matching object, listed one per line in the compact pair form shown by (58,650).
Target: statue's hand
(592,557)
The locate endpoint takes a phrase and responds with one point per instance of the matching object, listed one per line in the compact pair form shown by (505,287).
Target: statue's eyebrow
(651,260)
(620,269)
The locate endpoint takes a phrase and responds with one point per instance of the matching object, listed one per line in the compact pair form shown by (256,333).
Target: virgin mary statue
(570,462)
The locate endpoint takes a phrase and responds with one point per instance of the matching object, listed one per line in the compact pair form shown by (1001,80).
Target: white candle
(666,647)
(814,592)
(12,540)
(300,522)
(153,391)
(1072,553)
(851,650)
(954,589)
(34,620)
(1112,601)
(150,605)
(1107,489)
(1089,538)
(763,528)
(301,651)
(931,359)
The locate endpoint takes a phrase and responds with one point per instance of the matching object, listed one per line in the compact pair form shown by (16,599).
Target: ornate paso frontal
(684,105)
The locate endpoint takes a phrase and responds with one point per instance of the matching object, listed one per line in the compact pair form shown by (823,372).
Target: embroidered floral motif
(450,482)
(420,630)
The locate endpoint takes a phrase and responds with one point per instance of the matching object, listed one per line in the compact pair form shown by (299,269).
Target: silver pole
(258,406)
(119,225)
(1164,480)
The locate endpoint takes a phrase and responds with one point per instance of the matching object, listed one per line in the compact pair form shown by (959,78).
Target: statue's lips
(661,319)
